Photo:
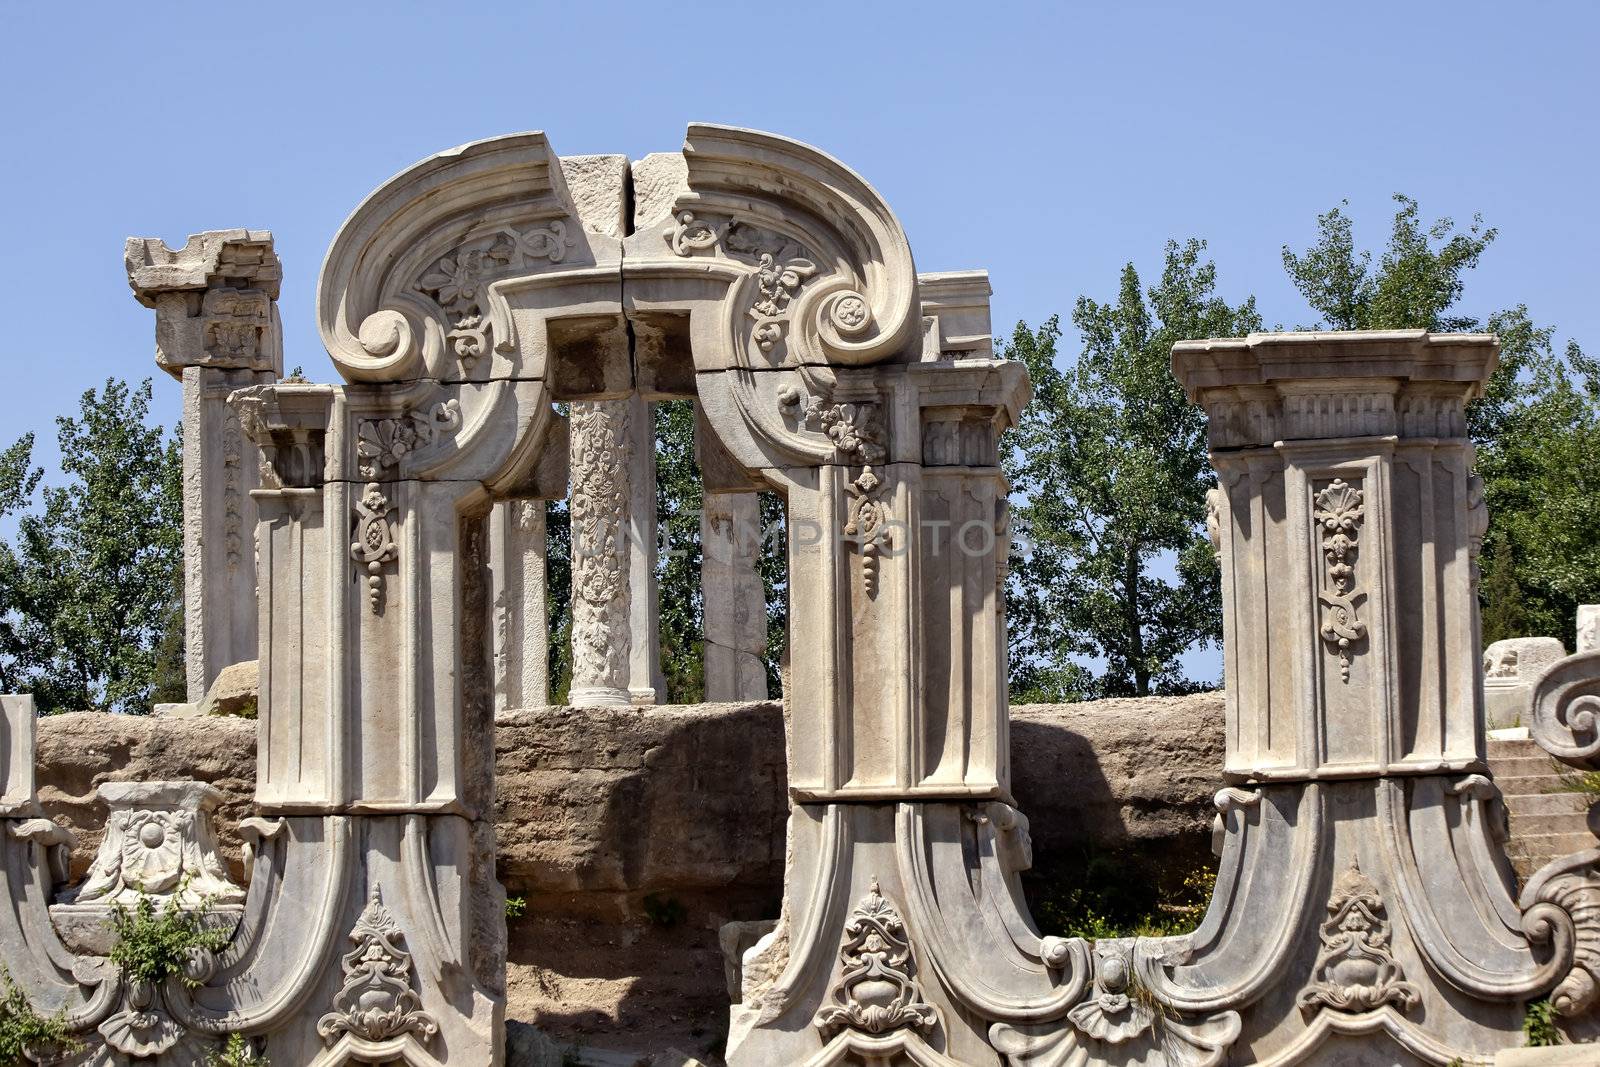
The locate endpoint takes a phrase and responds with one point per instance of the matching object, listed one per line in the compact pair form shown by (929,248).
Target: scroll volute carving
(848,287)
(1566,710)
(407,288)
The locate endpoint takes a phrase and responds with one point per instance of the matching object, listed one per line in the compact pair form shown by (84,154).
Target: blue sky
(1048,143)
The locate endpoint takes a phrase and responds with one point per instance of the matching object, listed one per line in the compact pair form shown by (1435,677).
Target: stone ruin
(1364,910)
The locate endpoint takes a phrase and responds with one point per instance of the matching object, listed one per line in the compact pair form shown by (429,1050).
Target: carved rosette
(599,463)
(1356,970)
(457,282)
(778,268)
(158,842)
(382,443)
(876,991)
(374,543)
(1339,512)
(376,1002)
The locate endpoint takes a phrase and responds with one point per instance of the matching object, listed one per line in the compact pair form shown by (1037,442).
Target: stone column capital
(215,299)
(1270,387)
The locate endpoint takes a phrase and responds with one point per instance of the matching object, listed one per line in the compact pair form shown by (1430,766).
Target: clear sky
(1049,143)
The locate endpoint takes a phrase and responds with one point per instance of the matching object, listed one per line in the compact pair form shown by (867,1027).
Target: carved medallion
(877,990)
(374,543)
(1356,969)
(376,1001)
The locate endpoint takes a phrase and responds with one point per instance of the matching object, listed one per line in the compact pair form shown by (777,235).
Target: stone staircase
(1547,820)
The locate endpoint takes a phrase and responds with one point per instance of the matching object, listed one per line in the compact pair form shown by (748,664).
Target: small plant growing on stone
(154,945)
(1539,1025)
(516,907)
(236,1053)
(23,1030)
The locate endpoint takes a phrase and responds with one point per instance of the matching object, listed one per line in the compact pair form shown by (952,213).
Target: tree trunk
(1130,602)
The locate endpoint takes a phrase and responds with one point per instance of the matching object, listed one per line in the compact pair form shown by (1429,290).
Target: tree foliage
(1536,428)
(1114,581)
(90,584)
(1109,469)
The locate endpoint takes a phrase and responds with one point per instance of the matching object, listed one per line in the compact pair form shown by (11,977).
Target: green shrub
(22,1029)
(153,945)
(516,907)
(236,1053)
(1111,894)
(1539,1024)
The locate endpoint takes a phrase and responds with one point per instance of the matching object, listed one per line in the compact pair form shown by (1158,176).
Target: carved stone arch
(475,289)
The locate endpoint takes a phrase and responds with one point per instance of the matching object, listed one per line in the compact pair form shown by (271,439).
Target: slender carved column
(216,331)
(736,606)
(601,560)
(645,682)
(519,624)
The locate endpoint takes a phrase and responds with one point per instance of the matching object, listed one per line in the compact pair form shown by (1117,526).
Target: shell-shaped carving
(1566,710)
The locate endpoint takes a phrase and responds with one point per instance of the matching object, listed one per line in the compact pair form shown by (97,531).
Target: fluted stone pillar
(519,623)
(217,330)
(645,682)
(735,601)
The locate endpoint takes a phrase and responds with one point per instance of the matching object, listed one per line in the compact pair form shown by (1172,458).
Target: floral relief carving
(232,460)
(1339,512)
(779,267)
(599,454)
(374,543)
(376,1002)
(856,430)
(457,281)
(877,990)
(1356,969)
(382,443)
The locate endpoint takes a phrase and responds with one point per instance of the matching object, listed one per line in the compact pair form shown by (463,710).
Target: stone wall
(632,835)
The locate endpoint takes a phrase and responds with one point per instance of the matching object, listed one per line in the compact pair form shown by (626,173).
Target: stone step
(1532,786)
(1525,765)
(1546,847)
(1573,822)
(1546,804)
(1499,750)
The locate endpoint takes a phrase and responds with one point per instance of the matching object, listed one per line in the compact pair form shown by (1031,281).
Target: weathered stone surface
(1117,772)
(80,751)
(1510,669)
(234,691)
(634,835)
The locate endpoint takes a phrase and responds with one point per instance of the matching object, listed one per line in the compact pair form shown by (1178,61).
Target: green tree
(88,584)
(1536,428)
(1108,466)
